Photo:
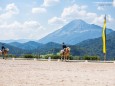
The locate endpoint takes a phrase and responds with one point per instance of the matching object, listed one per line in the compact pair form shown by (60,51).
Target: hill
(26,46)
(74,32)
(88,47)
(94,46)
(14,50)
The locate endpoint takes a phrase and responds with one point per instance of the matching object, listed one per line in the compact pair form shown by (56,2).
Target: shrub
(12,56)
(52,56)
(75,58)
(37,56)
(91,58)
(55,57)
(28,56)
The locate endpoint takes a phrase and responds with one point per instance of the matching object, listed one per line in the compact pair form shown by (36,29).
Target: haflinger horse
(65,54)
(4,53)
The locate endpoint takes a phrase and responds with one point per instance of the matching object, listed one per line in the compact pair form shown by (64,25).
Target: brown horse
(4,53)
(65,54)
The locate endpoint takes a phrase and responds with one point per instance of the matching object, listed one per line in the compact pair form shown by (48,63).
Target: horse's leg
(4,57)
(3,54)
(64,57)
(67,58)
(61,57)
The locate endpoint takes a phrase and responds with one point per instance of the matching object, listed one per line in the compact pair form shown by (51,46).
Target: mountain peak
(74,32)
(78,21)
(75,24)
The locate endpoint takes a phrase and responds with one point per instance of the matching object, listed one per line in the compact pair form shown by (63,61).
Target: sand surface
(53,73)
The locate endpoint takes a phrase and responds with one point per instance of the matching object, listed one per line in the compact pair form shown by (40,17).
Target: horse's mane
(68,48)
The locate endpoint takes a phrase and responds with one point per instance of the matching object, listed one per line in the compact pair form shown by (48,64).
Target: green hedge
(28,56)
(58,57)
(91,58)
(75,58)
(52,56)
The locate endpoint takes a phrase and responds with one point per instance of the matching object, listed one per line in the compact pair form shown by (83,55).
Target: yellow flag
(104,36)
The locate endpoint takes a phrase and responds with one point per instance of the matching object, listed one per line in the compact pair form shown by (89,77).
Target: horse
(4,53)
(65,54)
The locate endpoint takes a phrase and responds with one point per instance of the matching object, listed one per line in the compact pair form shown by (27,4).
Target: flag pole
(104,38)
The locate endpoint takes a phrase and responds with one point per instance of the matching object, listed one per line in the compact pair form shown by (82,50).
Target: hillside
(74,32)
(27,45)
(14,50)
(94,46)
(87,47)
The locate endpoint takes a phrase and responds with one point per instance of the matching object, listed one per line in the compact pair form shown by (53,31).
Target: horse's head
(7,49)
(5,52)
(67,49)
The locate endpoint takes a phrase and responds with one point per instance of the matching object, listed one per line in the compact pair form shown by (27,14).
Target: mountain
(74,32)
(26,46)
(19,40)
(94,46)
(14,50)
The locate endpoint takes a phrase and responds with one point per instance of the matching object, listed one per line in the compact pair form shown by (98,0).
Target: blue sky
(34,19)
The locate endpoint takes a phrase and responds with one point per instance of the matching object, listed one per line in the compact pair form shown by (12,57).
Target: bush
(91,58)
(55,56)
(28,56)
(12,56)
(37,56)
(52,56)
(75,58)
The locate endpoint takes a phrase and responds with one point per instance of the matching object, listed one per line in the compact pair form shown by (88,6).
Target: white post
(34,59)
(49,58)
(58,60)
(13,59)
(86,61)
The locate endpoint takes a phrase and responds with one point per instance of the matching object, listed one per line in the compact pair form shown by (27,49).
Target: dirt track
(53,73)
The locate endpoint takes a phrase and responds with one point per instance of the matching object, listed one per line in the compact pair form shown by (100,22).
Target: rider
(2,48)
(64,46)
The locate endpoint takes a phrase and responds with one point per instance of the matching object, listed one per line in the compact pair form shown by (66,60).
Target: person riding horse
(65,52)
(64,46)
(4,51)
(2,48)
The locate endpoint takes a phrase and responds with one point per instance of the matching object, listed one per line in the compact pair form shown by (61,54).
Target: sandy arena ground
(53,73)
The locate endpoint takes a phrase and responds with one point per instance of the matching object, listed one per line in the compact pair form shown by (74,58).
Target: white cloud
(39,10)
(56,20)
(73,10)
(114,3)
(50,2)
(100,8)
(80,12)
(10,10)
(18,30)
